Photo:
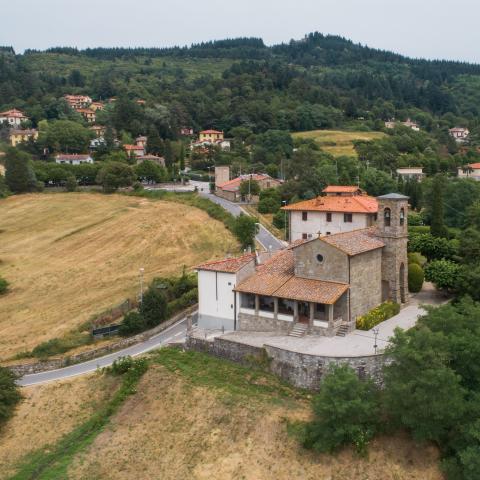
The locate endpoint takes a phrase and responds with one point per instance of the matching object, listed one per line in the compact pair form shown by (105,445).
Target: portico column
(275,308)
(330,317)
(257,304)
(295,311)
(312,313)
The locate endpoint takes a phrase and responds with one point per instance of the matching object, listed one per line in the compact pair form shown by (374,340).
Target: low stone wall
(298,369)
(57,363)
(257,323)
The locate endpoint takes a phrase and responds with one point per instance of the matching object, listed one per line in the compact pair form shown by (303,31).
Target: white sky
(418,28)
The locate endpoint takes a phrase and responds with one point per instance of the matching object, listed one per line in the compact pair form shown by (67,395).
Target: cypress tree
(437,224)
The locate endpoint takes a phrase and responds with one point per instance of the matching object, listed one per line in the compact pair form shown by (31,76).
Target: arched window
(387,217)
(402,217)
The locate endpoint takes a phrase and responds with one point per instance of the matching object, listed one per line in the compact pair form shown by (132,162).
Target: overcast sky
(418,28)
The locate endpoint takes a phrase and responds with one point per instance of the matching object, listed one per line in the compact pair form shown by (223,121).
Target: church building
(321,284)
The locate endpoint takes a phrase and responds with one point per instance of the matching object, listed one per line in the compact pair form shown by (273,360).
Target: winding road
(175,332)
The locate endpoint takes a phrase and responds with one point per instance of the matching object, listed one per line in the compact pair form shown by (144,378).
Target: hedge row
(377,315)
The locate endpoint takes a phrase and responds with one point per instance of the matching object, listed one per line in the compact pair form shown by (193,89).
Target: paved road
(264,237)
(174,333)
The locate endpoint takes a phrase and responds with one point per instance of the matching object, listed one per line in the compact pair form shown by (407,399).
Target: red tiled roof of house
(234,185)
(355,241)
(341,189)
(210,131)
(73,156)
(227,265)
(13,113)
(133,147)
(475,166)
(353,204)
(276,277)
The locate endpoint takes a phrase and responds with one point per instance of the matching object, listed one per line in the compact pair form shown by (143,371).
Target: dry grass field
(69,256)
(338,142)
(174,429)
(47,412)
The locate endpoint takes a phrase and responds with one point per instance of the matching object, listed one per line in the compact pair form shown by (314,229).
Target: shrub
(442,273)
(415,277)
(346,411)
(136,367)
(415,219)
(137,187)
(418,258)
(377,315)
(433,248)
(71,183)
(132,323)
(3,286)
(9,394)
(186,300)
(279,219)
(154,307)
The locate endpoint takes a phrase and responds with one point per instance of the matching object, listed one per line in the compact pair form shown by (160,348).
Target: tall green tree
(115,175)
(245,229)
(437,223)
(19,174)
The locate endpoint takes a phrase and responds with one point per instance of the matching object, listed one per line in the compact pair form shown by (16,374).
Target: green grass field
(338,142)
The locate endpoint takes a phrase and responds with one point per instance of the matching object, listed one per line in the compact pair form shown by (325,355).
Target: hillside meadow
(68,256)
(196,417)
(338,142)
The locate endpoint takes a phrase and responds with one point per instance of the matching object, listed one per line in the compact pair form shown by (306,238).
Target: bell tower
(392,228)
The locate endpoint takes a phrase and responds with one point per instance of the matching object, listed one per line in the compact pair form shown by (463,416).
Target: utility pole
(285,220)
(142,270)
(375,331)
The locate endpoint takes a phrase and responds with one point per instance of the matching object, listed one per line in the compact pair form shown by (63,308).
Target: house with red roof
(339,209)
(73,159)
(13,117)
(134,150)
(231,190)
(318,286)
(472,170)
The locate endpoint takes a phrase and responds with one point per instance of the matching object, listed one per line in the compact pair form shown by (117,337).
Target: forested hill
(321,81)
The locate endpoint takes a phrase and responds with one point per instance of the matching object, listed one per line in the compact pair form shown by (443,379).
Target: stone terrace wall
(298,369)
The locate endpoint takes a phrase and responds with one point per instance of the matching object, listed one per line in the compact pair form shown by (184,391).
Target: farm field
(70,256)
(338,142)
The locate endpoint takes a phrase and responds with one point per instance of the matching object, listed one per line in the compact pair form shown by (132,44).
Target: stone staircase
(342,331)
(298,330)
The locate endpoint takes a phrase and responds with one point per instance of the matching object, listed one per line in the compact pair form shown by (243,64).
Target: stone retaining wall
(299,369)
(57,363)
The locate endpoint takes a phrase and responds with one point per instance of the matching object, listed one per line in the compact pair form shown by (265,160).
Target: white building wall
(316,224)
(216,300)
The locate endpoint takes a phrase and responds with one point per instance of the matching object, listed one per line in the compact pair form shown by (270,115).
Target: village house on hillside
(411,173)
(88,114)
(78,101)
(151,158)
(73,159)
(471,170)
(408,123)
(460,134)
(21,136)
(319,286)
(231,190)
(211,138)
(339,209)
(13,117)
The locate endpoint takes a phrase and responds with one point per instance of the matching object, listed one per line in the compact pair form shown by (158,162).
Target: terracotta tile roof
(133,147)
(234,185)
(341,189)
(474,166)
(353,204)
(13,113)
(210,131)
(276,278)
(227,265)
(355,242)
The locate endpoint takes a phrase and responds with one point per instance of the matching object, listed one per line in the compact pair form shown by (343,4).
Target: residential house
(136,150)
(460,134)
(88,114)
(97,106)
(339,209)
(408,123)
(78,101)
(20,136)
(97,142)
(13,117)
(73,159)
(323,284)
(471,170)
(186,131)
(211,136)
(411,173)
(151,158)
(99,130)
(222,175)
(141,141)
(231,190)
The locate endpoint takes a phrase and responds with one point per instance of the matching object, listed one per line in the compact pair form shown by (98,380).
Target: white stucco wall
(317,223)
(216,300)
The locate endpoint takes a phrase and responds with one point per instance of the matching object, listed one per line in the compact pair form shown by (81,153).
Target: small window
(375,217)
(329,217)
(304,236)
(387,217)
(304,216)
(319,258)
(347,217)
(402,217)
(328,233)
